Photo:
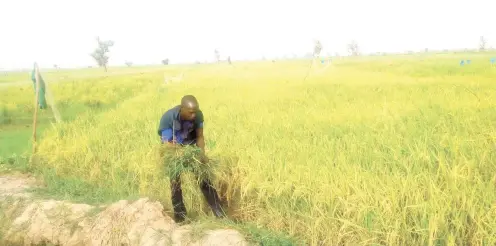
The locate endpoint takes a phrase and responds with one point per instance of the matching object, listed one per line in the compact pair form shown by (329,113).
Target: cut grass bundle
(180,159)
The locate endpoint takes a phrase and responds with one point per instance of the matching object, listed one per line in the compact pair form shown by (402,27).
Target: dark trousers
(208,191)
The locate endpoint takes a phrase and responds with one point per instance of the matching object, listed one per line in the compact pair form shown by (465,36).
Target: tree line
(100,54)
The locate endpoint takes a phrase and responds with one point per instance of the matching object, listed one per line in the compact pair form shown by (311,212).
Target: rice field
(393,150)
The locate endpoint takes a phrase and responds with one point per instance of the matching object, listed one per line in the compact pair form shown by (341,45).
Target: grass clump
(181,159)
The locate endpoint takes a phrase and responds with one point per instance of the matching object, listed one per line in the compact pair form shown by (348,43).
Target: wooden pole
(36,106)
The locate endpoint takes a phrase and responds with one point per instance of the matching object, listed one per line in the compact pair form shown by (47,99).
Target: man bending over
(180,126)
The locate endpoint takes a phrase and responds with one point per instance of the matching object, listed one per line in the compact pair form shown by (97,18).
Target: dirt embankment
(27,221)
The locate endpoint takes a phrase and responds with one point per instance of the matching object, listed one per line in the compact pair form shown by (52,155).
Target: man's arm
(200,142)
(167,136)
(200,139)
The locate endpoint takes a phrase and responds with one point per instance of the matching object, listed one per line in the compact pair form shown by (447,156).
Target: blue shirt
(184,131)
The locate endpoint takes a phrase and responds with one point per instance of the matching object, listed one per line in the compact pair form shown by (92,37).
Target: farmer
(180,126)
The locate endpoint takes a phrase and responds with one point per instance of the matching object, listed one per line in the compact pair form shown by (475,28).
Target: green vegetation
(374,150)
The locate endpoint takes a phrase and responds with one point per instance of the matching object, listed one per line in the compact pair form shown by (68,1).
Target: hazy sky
(145,32)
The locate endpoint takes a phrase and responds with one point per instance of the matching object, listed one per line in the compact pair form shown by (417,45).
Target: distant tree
(128,63)
(165,61)
(353,48)
(99,54)
(482,43)
(229,60)
(217,55)
(317,48)
(55,66)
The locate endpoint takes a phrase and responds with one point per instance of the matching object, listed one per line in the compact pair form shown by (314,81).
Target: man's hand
(172,148)
(203,158)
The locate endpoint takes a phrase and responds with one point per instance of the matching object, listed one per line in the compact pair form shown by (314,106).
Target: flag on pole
(42,100)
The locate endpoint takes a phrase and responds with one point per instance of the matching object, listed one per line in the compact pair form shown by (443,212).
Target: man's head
(189,107)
